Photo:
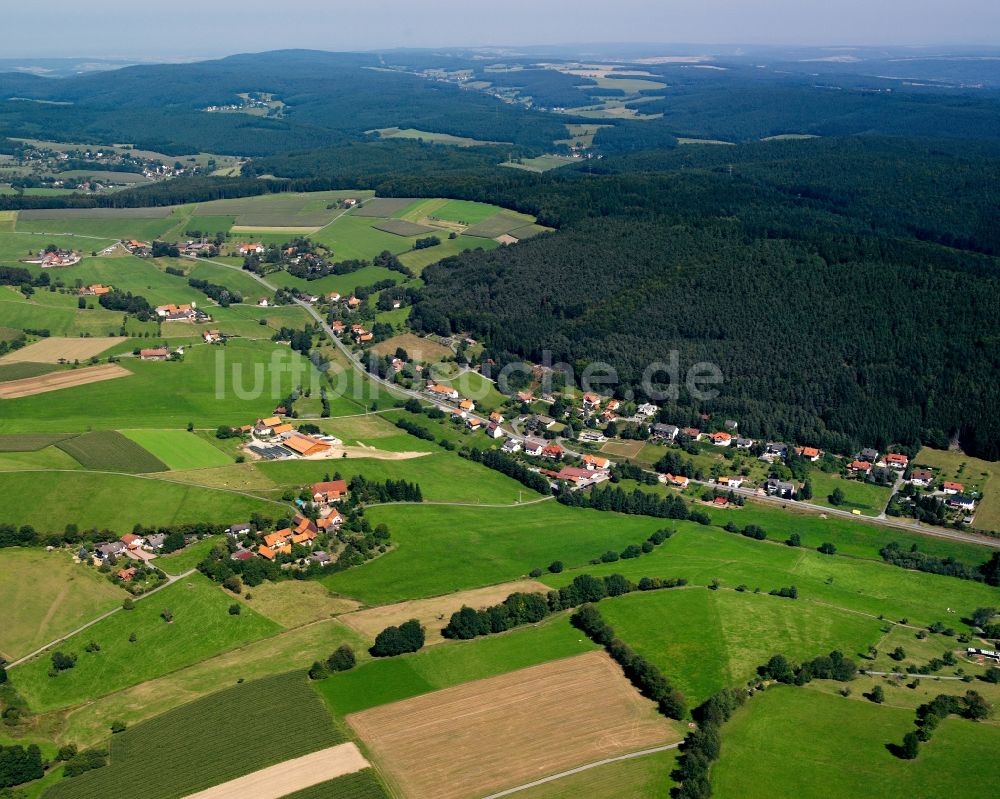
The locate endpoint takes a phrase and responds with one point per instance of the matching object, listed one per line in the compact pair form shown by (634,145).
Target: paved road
(578,769)
(169,581)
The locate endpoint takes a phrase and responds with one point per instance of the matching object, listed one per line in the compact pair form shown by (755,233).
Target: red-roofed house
(953,488)
(329,491)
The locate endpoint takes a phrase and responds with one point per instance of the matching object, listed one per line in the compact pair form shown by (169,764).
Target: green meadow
(58,313)
(708,640)
(179,449)
(800,742)
(440,549)
(870,499)
(201,627)
(703,554)
(117,501)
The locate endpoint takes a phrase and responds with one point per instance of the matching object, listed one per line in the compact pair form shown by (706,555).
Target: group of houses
(161,353)
(130,545)
(274,439)
(189,312)
(141,249)
(95,290)
(55,258)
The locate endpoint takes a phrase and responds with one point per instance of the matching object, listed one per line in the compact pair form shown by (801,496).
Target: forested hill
(831,324)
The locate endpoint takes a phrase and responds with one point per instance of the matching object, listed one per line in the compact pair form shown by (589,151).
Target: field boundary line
(585,767)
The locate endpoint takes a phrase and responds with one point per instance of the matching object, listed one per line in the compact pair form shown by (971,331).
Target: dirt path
(56,604)
(290,776)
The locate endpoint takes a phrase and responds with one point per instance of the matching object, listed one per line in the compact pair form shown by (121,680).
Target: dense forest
(830,324)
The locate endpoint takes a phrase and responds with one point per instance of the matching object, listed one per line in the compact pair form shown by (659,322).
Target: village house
(647,409)
(577,476)
(533,447)
(329,491)
(353,303)
(305,446)
(593,462)
(731,425)
(552,452)
(493,430)
(675,480)
(238,529)
(744,443)
(780,488)
(473,424)
(666,432)
(179,313)
(139,248)
(212,336)
(895,461)
(95,290)
(525,397)
(467,405)
(809,453)
(952,488)
(721,439)
(442,392)
(256,248)
(241,554)
(921,477)
(337,327)
(691,432)
(111,549)
(961,501)
(496,418)
(154,354)
(320,557)
(510,446)
(868,454)
(594,436)
(133,541)
(591,402)
(270,553)
(265,427)
(126,575)
(730,482)
(774,450)
(864,467)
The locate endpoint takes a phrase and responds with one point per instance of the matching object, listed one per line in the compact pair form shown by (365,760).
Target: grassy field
(418,260)
(417,347)
(58,314)
(88,724)
(432,138)
(117,502)
(201,627)
(211,741)
(839,748)
(188,558)
(235,384)
(442,549)
(644,777)
(363,784)
(703,554)
(52,596)
(870,499)
(20,370)
(279,210)
(48,458)
(540,163)
(178,449)
(441,475)
(707,640)
(109,450)
(498,224)
(28,442)
(973,473)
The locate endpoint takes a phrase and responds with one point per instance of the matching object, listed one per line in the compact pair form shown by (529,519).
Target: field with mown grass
(58,313)
(707,640)
(440,549)
(702,554)
(117,502)
(211,741)
(201,627)
(646,777)
(52,596)
(869,498)
(800,742)
(189,557)
(178,449)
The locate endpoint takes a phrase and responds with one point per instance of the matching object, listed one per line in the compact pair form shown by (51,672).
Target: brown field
(291,776)
(272,229)
(623,449)
(57,380)
(435,612)
(420,349)
(487,735)
(50,350)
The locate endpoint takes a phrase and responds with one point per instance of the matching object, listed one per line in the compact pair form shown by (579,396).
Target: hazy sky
(161,28)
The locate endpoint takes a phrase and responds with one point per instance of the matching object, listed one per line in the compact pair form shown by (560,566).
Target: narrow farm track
(578,769)
(169,581)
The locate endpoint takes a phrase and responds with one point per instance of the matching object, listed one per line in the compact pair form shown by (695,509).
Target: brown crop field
(623,449)
(57,380)
(435,612)
(420,349)
(487,735)
(50,350)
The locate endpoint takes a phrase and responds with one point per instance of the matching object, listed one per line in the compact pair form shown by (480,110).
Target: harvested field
(435,612)
(54,381)
(624,449)
(497,225)
(94,213)
(400,227)
(54,348)
(272,229)
(420,349)
(492,734)
(290,776)
(384,206)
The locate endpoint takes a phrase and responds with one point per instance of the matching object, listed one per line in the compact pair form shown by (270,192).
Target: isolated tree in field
(128,604)
(794,540)
(117,726)
(911,746)
(877,695)
(343,658)
(167,615)
(806,491)
(61,661)
(898,654)
(234,609)
(992,675)
(408,637)
(836,497)
(827,548)
(233,583)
